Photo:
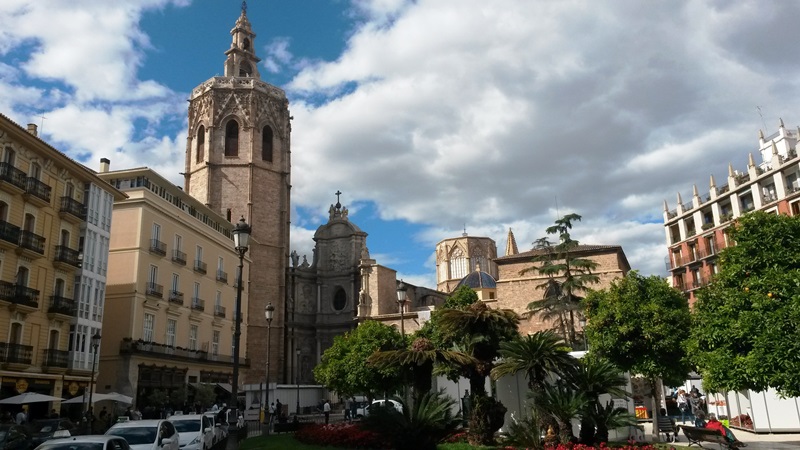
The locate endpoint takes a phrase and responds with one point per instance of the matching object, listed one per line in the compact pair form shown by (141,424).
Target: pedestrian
(271,415)
(22,417)
(347,410)
(353,409)
(683,404)
(326,409)
(279,409)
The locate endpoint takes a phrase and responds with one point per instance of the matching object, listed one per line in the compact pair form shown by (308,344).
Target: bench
(697,435)
(667,427)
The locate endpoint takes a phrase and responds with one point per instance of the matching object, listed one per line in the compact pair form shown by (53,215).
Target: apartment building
(695,230)
(169,313)
(46,316)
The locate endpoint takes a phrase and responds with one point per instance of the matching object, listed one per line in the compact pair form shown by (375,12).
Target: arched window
(30,223)
(10,156)
(35,171)
(3,211)
(53,340)
(201,144)
(339,299)
(64,238)
(458,264)
(244,69)
(232,139)
(58,290)
(22,276)
(246,44)
(266,144)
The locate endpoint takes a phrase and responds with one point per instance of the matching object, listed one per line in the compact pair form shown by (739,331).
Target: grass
(286,441)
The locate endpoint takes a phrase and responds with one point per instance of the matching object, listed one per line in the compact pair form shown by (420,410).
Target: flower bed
(347,435)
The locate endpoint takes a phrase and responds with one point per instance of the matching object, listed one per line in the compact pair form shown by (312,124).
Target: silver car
(147,434)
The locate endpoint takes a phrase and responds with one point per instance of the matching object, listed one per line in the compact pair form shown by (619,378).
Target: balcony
(9,235)
(222,276)
(72,210)
(55,359)
(16,354)
(37,192)
(61,305)
(179,257)
(176,298)
(200,266)
(158,247)
(198,304)
(219,311)
(19,295)
(13,178)
(155,290)
(31,244)
(66,256)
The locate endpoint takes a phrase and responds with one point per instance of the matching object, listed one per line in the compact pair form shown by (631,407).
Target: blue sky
(430,115)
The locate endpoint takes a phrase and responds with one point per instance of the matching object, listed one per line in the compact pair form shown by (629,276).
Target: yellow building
(44,200)
(171,291)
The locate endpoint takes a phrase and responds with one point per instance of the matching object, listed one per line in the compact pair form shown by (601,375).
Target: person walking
(326,409)
(683,404)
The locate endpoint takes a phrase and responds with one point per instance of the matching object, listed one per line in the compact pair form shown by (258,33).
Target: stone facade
(238,164)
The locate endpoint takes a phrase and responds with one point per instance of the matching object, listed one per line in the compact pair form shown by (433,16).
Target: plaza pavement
(774,441)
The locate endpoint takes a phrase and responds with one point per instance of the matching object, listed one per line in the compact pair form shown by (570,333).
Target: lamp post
(94,346)
(582,321)
(401,300)
(241,239)
(297,380)
(269,311)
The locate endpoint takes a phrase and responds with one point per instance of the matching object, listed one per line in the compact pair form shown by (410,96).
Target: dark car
(43,430)
(14,437)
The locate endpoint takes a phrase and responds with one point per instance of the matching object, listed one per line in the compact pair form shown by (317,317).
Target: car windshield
(136,435)
(72,446)
(45,426)
(185,426)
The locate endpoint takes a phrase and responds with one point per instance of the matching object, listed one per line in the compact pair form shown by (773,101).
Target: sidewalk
(775,441)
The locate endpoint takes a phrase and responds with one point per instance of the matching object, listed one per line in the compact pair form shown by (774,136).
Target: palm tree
(538,355)
(595,377)
(562,403)
(480,330)
(419,360)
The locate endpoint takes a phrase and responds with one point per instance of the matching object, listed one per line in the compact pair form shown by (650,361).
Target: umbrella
(29,397)
(116,397)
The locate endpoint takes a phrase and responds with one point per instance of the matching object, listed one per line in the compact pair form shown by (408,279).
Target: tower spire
(244,7)
(511,244)
(242,60)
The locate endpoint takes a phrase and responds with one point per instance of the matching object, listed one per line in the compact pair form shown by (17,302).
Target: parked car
(43,430)
(88,442)
(15,437)
(220,431)
(154,434)
(363,412)
(196,431)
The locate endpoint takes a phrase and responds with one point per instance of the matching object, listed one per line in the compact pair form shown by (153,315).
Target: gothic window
(201,144)
(244,69)
(232,139)
(339,299)
(266,144)
(458,264)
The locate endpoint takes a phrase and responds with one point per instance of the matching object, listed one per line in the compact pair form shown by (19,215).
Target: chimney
(32,129)
(104,163)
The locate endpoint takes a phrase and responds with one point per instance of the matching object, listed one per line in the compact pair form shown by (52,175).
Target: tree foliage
(461,298)
(746,324)
(344,367)
(568,278)
(539,355)
(636,324)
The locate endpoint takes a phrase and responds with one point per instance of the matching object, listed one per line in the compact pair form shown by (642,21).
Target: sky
(432,117)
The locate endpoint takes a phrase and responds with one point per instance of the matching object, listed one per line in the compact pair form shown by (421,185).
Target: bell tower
(238,163)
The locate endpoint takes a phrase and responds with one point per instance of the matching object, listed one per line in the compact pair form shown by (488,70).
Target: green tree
(461,298)
(539,355)
(344,367)
(479,331)
(636,324)
(744,332)
(568,278)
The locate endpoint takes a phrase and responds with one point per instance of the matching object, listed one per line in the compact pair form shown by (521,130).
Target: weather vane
(244,6)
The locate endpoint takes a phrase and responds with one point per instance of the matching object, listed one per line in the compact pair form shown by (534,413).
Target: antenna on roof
(465,229)
(762,118)
(41,127)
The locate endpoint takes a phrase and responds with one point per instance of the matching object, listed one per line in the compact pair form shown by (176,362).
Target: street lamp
(582,322)
(241,239)
(297,380)
(401,300)
(94,346)
(269,311)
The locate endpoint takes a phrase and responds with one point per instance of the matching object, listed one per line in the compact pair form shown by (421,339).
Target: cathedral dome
(478,280)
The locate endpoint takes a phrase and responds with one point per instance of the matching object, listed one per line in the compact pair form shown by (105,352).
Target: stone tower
(238,163)
(457,257)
